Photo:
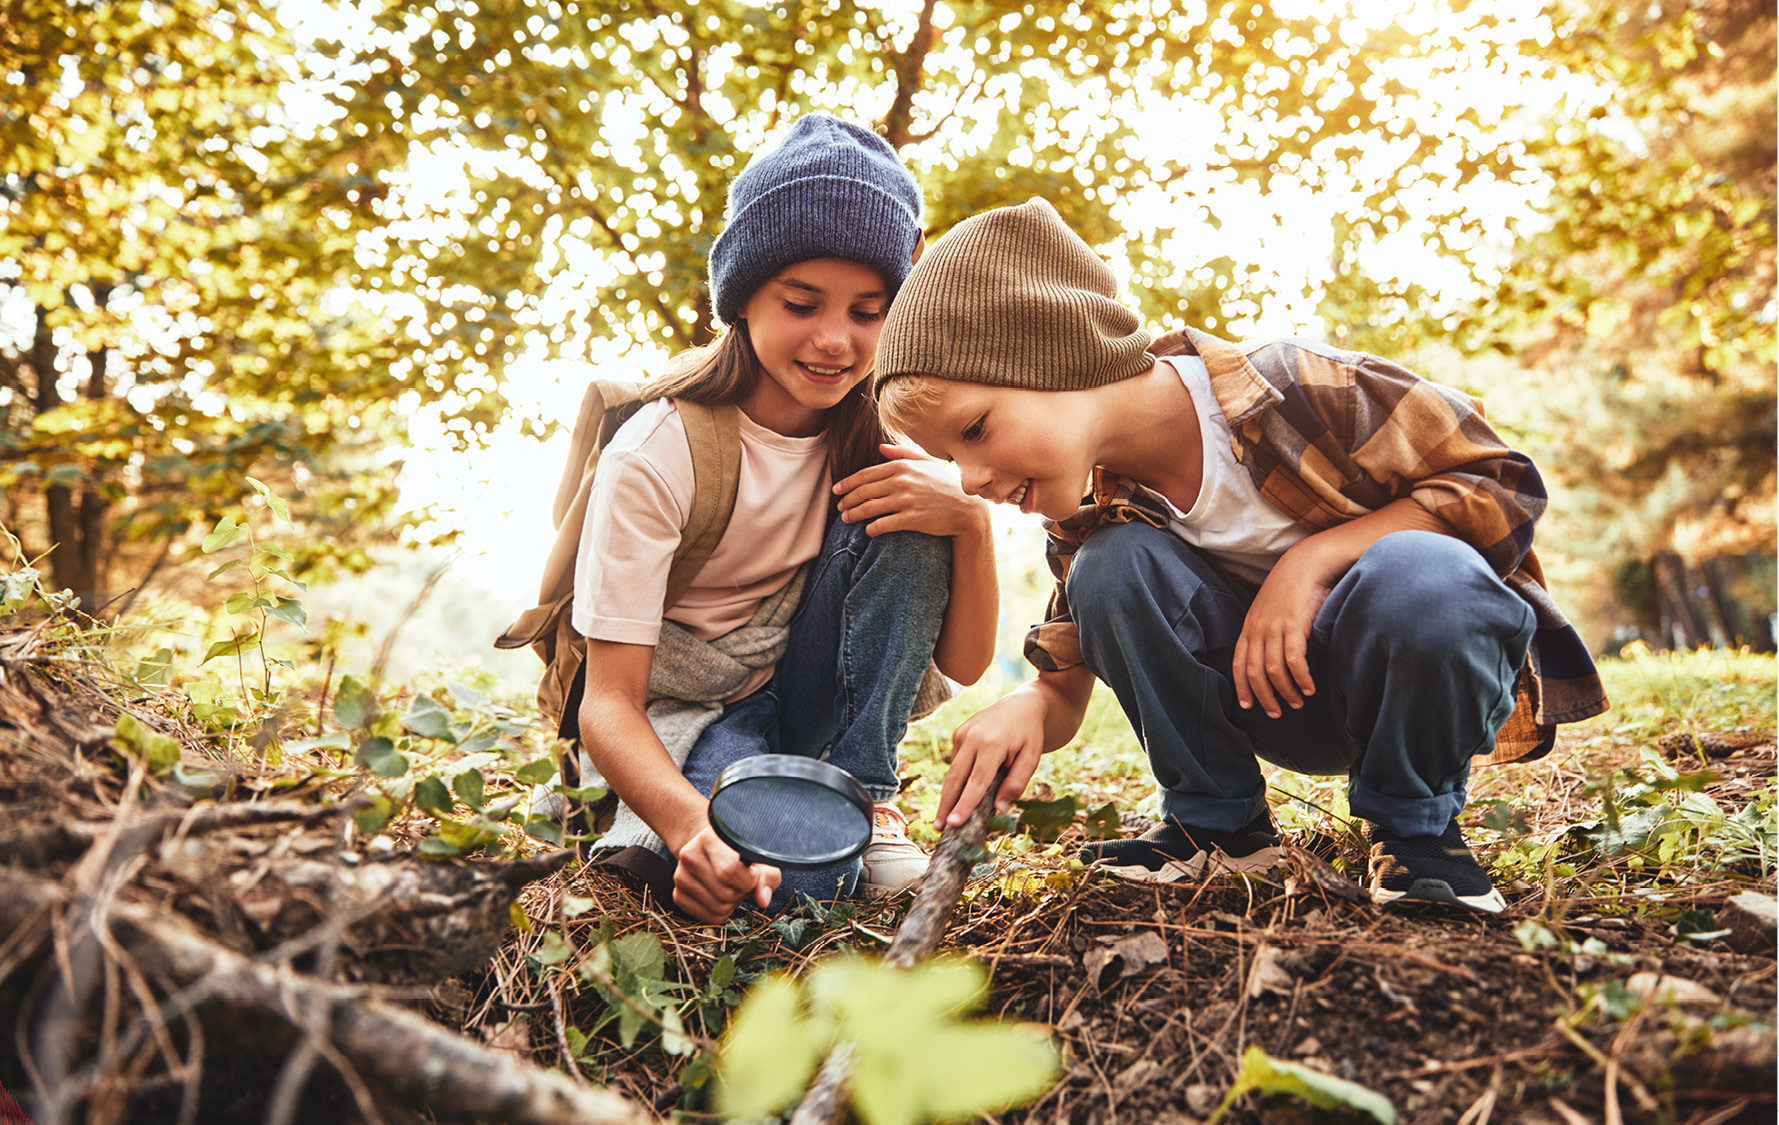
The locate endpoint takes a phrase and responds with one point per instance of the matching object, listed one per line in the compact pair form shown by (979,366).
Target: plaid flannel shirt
(1327,440)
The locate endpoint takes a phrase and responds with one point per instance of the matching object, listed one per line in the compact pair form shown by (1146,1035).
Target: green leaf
(573,906)
(1102,823)
(332,740)
(289,609)
(428,718)
(1268,1075)
(158,752)
(535,773)
(768,1052)
(543,828)
(225,532)
(470,787)
(275,551)
(1045,820)
(156,669)
(468,696)
(224,568)
(554,950)
(235,646)
(373,817)
(380,757)
(273,501)
(354,704)
(430,794)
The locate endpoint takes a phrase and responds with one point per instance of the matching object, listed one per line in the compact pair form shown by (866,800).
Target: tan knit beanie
(1012,297)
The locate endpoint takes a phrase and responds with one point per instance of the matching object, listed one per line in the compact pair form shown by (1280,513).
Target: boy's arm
(911,491)
(1014,731)
(1270,660)
(710,880)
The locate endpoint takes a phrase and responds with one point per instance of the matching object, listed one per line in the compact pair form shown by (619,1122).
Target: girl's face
(814,328)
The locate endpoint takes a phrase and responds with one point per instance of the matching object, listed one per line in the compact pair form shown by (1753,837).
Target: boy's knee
(1431,589)
(1115,568)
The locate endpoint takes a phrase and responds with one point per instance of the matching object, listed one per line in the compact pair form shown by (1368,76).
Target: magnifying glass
(790,811)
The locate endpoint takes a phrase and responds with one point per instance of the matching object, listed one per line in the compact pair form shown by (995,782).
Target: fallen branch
(916,938)
(398,1051)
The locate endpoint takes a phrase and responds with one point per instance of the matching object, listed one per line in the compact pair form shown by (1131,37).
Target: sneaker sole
(1181,870)
(1438,892)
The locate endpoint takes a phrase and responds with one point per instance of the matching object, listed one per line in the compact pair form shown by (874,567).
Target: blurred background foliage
(244,238)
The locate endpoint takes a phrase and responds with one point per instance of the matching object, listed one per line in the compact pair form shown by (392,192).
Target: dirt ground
(252,958)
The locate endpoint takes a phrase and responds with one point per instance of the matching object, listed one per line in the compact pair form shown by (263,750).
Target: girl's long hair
(726,370)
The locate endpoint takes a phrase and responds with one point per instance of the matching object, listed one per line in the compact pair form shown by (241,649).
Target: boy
(1287,552)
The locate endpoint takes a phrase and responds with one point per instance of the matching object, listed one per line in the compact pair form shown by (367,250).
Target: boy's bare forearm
(966,643)
(1065,695)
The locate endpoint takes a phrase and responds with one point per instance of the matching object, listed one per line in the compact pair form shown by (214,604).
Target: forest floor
(165,958)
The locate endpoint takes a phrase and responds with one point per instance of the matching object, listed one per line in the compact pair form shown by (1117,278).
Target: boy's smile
(1012,446)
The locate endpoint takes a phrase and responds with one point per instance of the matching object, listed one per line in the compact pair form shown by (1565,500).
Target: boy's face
(1031,449)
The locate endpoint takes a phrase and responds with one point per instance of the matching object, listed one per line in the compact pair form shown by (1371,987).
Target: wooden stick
(916,938)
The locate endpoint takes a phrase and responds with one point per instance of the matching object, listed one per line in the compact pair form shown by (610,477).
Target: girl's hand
(1271,656)
(711,881)
(1009,731)
(910,492)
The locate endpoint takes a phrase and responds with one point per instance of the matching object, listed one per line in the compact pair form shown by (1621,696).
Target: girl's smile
(814,330)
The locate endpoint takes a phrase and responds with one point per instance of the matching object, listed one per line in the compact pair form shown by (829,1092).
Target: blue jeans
(859,644)
(1414,656)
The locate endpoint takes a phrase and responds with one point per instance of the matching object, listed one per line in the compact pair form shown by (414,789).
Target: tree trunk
(76,521)
(1682,624)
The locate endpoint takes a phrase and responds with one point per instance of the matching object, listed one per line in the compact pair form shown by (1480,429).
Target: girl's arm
(710,880)
(914,492)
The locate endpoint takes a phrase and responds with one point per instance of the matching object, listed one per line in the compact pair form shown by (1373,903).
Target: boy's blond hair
(903,401)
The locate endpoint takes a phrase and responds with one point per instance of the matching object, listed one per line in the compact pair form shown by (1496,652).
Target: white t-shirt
(1231,521)
(641,501)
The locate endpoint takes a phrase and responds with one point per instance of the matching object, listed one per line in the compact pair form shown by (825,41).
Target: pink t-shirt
(642,498)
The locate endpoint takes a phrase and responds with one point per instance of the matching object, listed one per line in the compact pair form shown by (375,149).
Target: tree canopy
(235,246)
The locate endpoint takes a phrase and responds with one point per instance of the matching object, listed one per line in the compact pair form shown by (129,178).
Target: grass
(1606,814)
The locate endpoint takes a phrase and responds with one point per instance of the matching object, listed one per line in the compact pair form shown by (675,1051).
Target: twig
(917,937)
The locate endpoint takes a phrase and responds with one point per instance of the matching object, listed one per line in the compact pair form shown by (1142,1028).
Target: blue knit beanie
(829,189)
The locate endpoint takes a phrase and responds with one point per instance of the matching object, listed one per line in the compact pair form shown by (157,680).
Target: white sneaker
(892,863)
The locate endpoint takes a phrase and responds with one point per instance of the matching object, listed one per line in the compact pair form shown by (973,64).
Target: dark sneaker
(1172,852)
(1437,869)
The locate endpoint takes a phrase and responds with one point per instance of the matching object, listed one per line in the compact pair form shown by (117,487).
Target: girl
(802,634)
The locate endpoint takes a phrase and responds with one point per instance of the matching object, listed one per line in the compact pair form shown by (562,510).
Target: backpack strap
(714,433)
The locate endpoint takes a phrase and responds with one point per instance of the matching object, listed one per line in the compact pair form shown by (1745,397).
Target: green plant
(263,566)
(1267,1075)
(915,1059)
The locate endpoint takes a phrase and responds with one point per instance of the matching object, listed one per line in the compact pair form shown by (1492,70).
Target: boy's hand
(1271,656)
(711,881)
(1009,731)
(910,492)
